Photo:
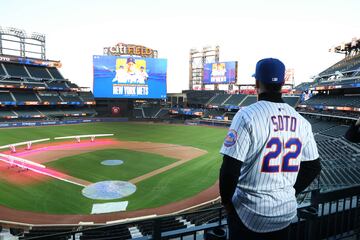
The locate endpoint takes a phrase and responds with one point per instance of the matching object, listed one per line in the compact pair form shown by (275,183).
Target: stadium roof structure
(344,73)
(348,47)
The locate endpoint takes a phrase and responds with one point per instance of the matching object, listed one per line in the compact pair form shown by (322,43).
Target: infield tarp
(109,207)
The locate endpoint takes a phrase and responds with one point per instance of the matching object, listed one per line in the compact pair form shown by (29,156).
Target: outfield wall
(65,122)
(212,122)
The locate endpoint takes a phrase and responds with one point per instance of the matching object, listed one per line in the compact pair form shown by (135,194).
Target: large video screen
(129,77)
(223,72)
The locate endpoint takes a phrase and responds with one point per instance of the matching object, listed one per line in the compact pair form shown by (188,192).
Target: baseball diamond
(155,167)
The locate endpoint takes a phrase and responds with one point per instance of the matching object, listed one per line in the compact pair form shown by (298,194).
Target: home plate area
(109,190)
(109,207)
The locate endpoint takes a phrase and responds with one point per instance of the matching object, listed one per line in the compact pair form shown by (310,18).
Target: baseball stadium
(128,160)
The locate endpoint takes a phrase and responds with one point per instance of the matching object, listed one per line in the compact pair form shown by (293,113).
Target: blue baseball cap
(270,71)
(130,59)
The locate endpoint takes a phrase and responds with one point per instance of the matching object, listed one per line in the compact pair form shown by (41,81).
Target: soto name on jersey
(284,123)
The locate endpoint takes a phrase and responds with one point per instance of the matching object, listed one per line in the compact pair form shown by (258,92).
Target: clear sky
(297,32)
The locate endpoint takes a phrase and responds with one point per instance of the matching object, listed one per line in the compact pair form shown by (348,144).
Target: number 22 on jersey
(285,161)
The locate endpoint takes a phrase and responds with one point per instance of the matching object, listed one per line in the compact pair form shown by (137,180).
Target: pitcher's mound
(112,162)
(108,190)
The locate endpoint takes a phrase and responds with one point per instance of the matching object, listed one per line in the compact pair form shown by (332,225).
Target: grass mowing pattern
(88,166)
(53,196)
(178,183)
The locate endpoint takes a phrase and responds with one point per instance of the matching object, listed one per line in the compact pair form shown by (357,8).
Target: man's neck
(271,97)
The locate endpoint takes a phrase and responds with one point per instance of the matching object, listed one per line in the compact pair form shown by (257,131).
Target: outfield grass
(88,166)
(173,185)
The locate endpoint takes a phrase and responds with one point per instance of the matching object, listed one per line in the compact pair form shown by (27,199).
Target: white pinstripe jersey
(270,139)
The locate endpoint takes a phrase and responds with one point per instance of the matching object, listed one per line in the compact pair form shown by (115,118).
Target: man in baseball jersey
(269,155)
(143,76)
(131,71)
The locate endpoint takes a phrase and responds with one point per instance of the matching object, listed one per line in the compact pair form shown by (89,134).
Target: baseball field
(167,163)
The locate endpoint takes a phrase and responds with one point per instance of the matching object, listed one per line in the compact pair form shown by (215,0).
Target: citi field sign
(130,49)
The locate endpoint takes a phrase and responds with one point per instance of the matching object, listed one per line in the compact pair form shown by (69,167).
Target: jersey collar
(271,97)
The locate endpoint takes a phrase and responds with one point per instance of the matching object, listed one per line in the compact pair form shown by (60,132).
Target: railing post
(314,196)
(220,216)
(310,215)
(157,229)
(357,218)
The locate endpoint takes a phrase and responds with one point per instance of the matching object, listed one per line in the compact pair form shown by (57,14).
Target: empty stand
(138,113)
(52,113)
(43,231)
(6,97)
(87,96)
(312,120)
(34,85)
(332,113)
(25,96)
(38,72)
(205,215)
(334,100)
(29,88)
(62,112)
(2,71)
(52,97)
(339,162)
(322,126)
(349,63)
(218,99)
(29,113)
(337,131)
(16,70)
(55,73)
(235,100)
(163,113)
(70,97)
(196,98)
(250,99)
(5,113)
(57,85)
(166,224)
(89,111)
(13,82)
(291,100)
(347,81)
(150,112)
(120,232)
(73,112)
(212,113)
(72,85)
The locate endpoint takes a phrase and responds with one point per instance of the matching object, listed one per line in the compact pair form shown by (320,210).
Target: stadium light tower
(198,59)
(37,36)
(41,39)
(17,32)
(15,35)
